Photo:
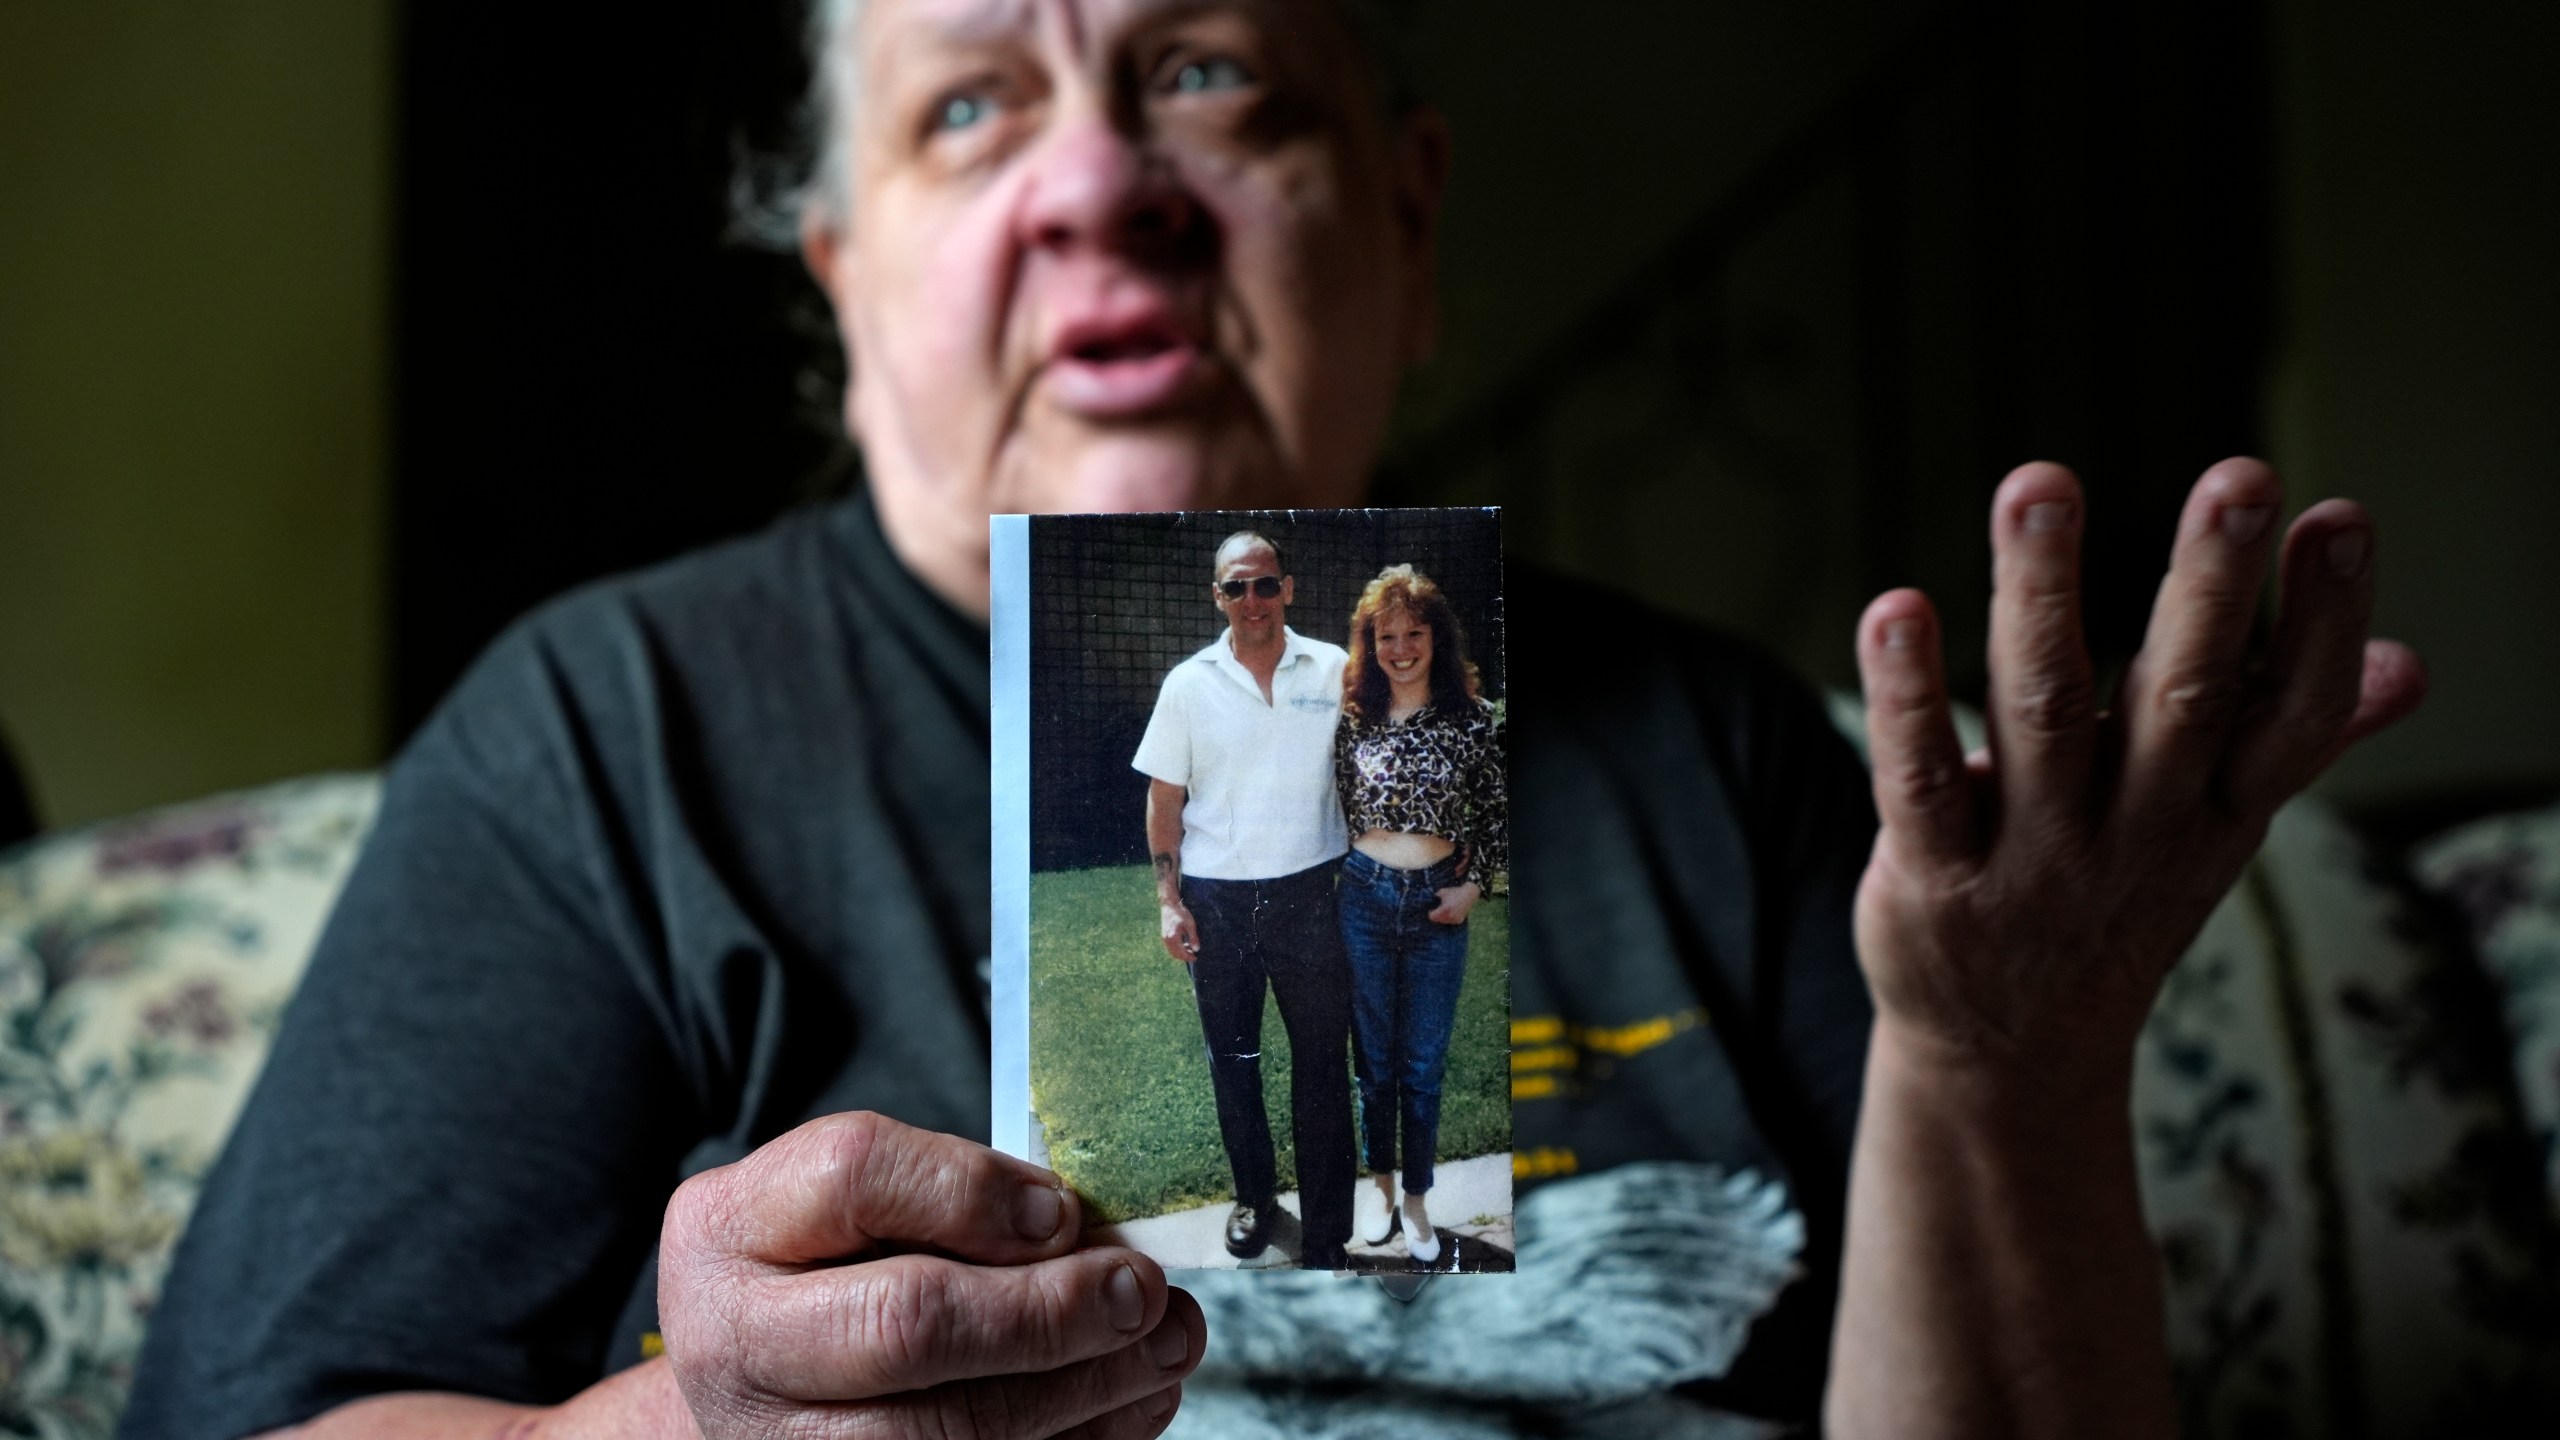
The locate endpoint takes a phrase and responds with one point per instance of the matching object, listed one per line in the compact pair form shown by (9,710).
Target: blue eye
(1220,74)
(962,111)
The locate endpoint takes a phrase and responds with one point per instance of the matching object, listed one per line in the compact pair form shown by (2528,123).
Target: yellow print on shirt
(1548,1052)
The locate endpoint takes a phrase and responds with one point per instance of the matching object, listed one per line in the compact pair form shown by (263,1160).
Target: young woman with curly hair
(1418,760)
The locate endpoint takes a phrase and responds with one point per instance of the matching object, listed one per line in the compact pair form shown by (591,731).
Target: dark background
(2010,231)
(1117,601)
(334,333)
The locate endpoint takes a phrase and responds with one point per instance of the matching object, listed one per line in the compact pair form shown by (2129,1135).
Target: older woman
(689,878)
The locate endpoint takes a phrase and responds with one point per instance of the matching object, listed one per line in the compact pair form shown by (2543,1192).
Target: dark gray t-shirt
(698,854)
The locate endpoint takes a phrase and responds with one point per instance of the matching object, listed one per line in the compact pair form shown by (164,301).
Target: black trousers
(1281,934)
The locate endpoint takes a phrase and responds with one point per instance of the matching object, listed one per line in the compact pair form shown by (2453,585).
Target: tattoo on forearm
(1168,872)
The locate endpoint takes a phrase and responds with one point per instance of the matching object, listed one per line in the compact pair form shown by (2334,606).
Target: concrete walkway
(1470,1207)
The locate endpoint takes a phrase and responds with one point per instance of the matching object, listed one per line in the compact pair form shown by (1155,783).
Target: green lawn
(1119,1077)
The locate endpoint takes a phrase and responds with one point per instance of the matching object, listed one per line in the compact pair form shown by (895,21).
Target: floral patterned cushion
(2503,876)
(143,967)
(2343,1197)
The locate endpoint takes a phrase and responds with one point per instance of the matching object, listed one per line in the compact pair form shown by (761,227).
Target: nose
(1095,186)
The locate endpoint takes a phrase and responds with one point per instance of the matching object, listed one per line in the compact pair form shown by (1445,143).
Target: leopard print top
(1439,772)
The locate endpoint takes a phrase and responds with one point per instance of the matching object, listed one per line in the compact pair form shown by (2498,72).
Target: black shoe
(1248,1231)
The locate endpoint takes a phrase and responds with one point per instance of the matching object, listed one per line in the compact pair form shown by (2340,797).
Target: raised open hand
(2024,903)
(2016,920)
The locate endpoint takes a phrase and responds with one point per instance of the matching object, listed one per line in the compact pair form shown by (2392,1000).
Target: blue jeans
(1405,972)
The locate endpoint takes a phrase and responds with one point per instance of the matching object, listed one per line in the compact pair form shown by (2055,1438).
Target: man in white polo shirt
(1246,833)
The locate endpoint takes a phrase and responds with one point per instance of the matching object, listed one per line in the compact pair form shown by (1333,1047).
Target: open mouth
(1123,369)
(1145,343)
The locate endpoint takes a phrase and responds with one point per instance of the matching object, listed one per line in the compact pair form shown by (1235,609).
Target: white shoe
(1372,1218)
(1420,1240)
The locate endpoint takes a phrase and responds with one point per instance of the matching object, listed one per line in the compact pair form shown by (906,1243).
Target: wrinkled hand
(1455,902)
(2024,904)
(1181,933)
(965,1318)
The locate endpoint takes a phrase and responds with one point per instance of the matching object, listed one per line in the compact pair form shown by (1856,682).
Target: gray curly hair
(772,194)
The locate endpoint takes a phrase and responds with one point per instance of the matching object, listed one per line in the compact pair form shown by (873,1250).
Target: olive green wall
(1583,141)
(2418,317)
(2421,370)
(1587,143)
(193,203)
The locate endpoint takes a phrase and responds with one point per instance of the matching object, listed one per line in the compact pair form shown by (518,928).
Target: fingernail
(1160,1406)
(2244,523)
(1127,1300)
(2046,517)
(2347,552)
(1038,1211)
(1901,634)
(1170,1343)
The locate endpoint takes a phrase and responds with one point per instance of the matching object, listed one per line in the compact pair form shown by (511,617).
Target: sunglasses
(1264,587)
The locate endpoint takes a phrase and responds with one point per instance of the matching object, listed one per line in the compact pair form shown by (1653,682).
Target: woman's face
(1403,646)
(1120,255)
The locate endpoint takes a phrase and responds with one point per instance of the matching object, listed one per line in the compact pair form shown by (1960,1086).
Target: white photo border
(1009,738)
